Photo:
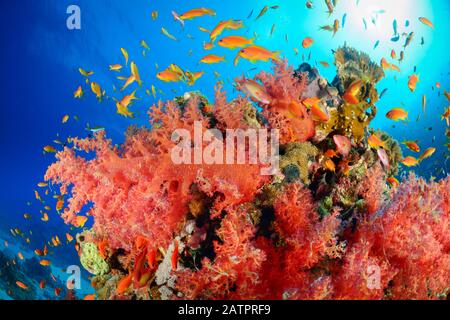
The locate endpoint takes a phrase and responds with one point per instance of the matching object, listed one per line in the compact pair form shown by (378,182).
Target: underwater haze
(42,58)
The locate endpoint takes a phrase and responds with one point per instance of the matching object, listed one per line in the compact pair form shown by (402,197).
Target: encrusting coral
(328,226)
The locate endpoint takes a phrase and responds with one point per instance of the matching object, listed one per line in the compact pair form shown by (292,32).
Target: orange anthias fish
(168,76)
(397,114)
(45,263)
(412,145)
(385,64)
(330,153)
(393,54)
(447,95)
(42,284)
(393,182)
(446,114)
(78,93)
(307,42)
(124,284)
(195,13)
(69,237)
(59,205)
(256,53)
(21,285)
(122,105)
(89,297)
(426,22)
(329,165)
(319,113)
(80,221)
(427,153)
(351,94)
(208,46)
(412,82)
(410,161)
(233,42)
(375,142)
(192,77)
(212,58)
(255,91)
(309,102)
(394,67)
(223,25)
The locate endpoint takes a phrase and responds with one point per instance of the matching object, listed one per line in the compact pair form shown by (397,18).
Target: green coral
(296,161)
(91,259)
(354,65)
(346,119)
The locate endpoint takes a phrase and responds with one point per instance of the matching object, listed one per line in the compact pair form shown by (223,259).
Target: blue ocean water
(41,56)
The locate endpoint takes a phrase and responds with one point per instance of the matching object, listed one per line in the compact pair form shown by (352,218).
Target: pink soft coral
(407,241)
(286,112)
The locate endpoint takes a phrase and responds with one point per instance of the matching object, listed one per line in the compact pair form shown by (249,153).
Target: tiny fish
(167,34)
(262,12)
(344,18)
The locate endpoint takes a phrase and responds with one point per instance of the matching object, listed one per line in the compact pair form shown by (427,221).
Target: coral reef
(327,226)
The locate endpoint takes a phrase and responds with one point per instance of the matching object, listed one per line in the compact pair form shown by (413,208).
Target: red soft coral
(235,270)
(407,241)
(286,112)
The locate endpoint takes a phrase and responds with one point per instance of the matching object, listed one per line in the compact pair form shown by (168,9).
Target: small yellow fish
(375,142)
(125,55)
(128,82)
(115,67)
(192,77)
(135,73)
(325,64)
(167,34)
(122,105)
(85,73)
(49,149)
(78,93)
(204,30)
(144,45)
(97,90)
(65,118)
(154,15)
